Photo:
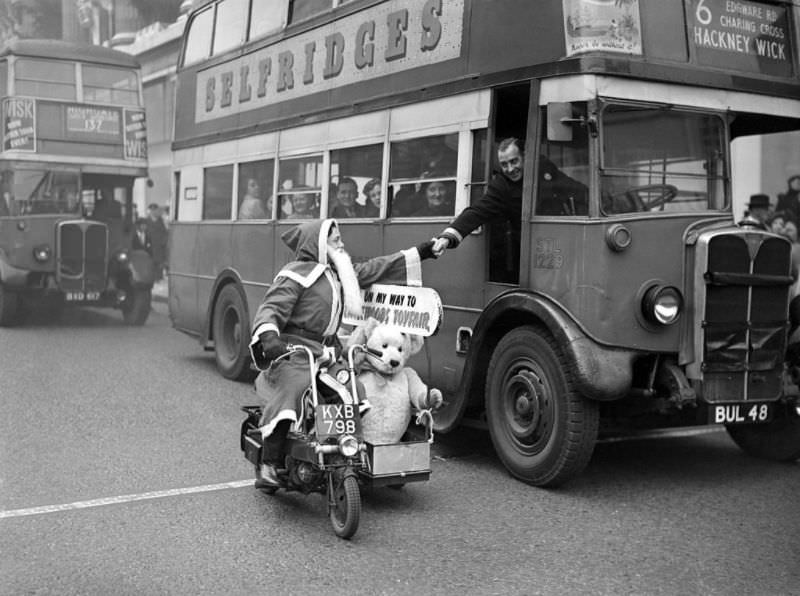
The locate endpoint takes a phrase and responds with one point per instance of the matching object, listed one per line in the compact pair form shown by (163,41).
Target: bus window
(217,188)
(264,22)
(198,39)
(104,84)
(300,195)
(656,160)
(303,9)
(563,171)
(231,23)
(351,172)
(255,185)
(417,163)
(40,192)
(45,78)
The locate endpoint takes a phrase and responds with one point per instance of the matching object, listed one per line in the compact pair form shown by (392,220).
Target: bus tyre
(231,335)
(542,429)
(9,303)
(777,440)
(136,307)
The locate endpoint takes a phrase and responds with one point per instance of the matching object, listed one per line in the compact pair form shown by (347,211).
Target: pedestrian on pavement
(789,201)
(158,237)
(304,305)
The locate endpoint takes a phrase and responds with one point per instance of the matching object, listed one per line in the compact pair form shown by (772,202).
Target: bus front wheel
(136,307)
(231,335)
(777,440)
(542,429)
(9,302)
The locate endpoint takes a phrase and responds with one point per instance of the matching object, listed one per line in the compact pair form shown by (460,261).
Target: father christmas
(304,305)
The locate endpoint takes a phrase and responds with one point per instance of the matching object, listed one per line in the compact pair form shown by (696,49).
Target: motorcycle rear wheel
(344,505)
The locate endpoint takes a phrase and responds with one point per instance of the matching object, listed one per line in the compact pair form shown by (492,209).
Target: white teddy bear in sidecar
(393,390)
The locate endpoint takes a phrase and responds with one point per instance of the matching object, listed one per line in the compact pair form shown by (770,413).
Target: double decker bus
(632,297)
(74,142)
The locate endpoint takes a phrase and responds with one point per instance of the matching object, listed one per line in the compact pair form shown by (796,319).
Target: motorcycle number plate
(333,420)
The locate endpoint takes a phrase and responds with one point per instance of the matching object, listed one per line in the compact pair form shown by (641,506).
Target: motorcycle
(325,451)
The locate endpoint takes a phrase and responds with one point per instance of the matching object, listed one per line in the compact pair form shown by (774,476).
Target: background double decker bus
(74,141)
(631,298)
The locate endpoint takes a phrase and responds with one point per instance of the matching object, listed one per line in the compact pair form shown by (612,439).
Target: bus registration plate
(82,296)
(333,420)
(741,413)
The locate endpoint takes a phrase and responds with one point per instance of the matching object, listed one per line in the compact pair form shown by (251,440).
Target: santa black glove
(272,346)
(425,250)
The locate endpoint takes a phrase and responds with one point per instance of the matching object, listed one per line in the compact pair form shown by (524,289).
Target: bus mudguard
(10,275)
(226,276)
(601,372)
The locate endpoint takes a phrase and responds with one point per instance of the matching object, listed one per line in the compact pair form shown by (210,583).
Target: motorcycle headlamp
(662,304)
(348,445)
(42,253)
(343,376)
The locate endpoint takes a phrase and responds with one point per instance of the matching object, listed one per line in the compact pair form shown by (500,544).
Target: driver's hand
(439,245)
(272,346)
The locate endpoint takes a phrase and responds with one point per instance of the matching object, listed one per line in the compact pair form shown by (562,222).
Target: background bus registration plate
(741,413)
(336,419)
(82,296)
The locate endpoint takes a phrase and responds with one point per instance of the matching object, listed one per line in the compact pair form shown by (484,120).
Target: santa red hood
(309,240)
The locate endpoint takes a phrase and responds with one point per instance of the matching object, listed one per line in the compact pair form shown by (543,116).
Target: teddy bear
(393,390)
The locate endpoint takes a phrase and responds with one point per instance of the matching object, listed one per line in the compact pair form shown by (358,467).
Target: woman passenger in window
(438,200)
(346,206)
(252,207)
(303,207)
(372,192)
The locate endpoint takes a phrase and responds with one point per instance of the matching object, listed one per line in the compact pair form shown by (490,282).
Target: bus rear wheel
(778,440)
(542,429)
(136,307)
(231,335)
(9,303)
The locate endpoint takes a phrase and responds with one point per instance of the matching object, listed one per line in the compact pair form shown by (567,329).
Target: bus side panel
(458,275)
(255,256)
(603,289)
(183,307)
(213,258)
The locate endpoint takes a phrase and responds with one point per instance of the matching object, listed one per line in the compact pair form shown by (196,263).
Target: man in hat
(304,305)
(759,209)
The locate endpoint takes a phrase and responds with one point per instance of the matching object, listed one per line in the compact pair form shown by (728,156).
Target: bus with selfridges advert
(632,297)
(74,142)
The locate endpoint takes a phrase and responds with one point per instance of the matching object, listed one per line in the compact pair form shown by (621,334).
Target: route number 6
(702,13)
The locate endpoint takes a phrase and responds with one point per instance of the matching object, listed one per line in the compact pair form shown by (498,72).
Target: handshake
(435,247)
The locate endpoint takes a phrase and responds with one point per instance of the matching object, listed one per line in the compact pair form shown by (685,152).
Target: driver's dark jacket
(501,201)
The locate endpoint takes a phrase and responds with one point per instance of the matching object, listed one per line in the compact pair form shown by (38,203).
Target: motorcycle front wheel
(344,505)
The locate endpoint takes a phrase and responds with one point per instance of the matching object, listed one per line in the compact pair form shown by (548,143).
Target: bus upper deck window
(198,40)
(45,78)
(264,22)
(304,9)
(110,85)
(230,26)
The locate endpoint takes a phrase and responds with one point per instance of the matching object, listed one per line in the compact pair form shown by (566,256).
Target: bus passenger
(252,206)
(372,192)
(346,206)
(304,206)
(438,200)
(304,305)
(501,201)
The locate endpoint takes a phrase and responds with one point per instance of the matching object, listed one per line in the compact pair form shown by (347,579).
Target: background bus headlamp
(122,256)
(42,253)
(662,304)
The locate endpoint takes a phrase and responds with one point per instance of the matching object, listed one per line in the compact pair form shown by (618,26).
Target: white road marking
(175,492)
(159,494)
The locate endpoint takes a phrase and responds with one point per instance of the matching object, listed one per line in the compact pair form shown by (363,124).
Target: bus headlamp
(42,253)
(348,445)
(662,304)
(122,257)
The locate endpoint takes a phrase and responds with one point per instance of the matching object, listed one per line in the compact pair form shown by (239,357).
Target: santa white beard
(353,304)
